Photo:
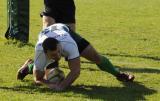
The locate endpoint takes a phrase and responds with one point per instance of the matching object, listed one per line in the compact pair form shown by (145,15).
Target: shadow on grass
(130,69)
(28,89)
(134,56)
(130,92)
(139,70)
(19,44)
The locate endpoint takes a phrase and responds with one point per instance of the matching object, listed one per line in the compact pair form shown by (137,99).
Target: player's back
(58,31)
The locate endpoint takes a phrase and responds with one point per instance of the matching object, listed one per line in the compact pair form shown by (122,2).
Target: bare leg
(47,21)
(91,54)
(104,64)
(72,26)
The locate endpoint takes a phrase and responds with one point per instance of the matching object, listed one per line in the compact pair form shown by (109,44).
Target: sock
(30,68)
(107,66)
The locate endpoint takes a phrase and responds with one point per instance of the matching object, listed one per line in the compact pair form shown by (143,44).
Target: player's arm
(74,66)
(38,71)
(39,79)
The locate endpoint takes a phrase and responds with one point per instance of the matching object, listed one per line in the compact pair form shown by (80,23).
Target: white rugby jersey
(69,48)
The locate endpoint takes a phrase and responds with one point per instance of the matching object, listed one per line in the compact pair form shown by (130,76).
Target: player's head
(51,48)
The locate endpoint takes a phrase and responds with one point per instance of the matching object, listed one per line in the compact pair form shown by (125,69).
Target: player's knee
(97,58)
(47,21)
(72,26)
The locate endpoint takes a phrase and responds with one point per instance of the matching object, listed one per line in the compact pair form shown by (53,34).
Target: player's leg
(66,15)
(47,21)
(72,26)
(27,68)
(59,12)
(49,13)
(104,64)
(88,52)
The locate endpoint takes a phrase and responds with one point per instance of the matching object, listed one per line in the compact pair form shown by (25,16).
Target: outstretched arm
(74,66)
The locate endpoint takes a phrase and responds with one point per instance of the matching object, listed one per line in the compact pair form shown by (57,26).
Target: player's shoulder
(38,47)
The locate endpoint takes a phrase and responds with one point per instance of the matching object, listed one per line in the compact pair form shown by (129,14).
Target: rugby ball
(55,75)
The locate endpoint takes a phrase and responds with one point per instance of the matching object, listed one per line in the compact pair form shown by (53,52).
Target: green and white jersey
(68,46)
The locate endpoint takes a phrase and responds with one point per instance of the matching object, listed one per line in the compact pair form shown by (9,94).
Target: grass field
(126,31)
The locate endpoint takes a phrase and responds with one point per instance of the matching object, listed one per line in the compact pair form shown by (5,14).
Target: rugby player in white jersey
(58,41)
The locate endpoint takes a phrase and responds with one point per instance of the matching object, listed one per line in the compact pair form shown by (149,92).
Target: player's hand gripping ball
(55,75)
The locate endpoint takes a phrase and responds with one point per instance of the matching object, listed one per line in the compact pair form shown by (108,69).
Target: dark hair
(50,44)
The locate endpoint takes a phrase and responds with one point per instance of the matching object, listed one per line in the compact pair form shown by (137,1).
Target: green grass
(126,31)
